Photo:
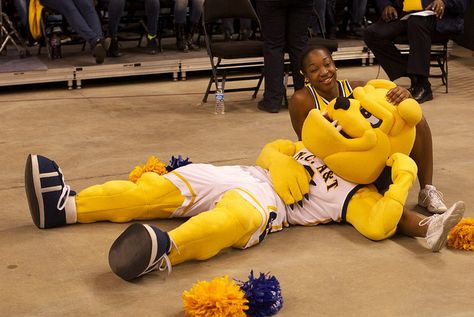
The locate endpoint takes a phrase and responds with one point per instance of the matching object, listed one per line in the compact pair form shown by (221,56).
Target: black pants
(418,31)
(285,29)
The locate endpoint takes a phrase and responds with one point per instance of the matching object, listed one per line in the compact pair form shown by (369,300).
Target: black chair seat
(245,55)
(237,49)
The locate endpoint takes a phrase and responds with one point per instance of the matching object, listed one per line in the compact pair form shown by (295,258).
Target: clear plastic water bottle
(220,107)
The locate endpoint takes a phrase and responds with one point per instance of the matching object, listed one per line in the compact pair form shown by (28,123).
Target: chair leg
(224,76)
(446,70)
(445,65)
(45,38)
(208,89)
(143,33)
(441,63)
(258,86)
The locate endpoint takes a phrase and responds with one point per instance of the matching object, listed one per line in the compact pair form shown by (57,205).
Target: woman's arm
(300,104)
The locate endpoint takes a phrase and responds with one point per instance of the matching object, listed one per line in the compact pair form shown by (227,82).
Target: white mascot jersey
(329,194)
(203,185)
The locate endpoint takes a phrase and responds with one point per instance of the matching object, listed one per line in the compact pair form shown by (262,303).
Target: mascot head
(355,137)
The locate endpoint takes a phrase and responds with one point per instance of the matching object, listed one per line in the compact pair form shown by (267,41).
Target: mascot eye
(373,120)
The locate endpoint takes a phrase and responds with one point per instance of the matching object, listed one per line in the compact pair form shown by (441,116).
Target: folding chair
(243,55)
(439,59)
(439,55)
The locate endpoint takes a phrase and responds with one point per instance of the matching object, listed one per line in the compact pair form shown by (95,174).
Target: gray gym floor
(101,132)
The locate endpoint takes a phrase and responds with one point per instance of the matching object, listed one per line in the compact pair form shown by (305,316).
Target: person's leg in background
(228,28)
(88,12)
(194,26)
(82,17)
(320,7)
(272,16)
(116,8)
(298,21)
(420,30)
(180,10)
(245,29)
(331,23)
(358,9)
(152,9)
(379,38)
(21,7)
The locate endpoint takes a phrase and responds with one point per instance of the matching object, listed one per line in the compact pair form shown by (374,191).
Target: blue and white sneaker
(51,201)
(139,250)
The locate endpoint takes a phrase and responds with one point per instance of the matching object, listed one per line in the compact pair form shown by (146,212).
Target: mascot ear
(410,110)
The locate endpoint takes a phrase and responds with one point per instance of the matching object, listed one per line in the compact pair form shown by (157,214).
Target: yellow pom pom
(152,165)
(135,174)
(462,235)
(220,297)
(155,165)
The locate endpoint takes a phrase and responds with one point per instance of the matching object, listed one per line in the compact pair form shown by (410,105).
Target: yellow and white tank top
(329,194)
(320,103)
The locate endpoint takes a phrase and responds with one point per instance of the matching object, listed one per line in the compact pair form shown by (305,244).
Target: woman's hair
(310,49)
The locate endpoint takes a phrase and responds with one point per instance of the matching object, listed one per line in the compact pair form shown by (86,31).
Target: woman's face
(320,70)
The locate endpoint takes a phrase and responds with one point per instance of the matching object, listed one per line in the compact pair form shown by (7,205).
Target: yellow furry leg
(153,196)
(374,216)
(231,223)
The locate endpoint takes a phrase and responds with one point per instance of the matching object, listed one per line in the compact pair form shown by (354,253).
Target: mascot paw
(402,164)
(290,179)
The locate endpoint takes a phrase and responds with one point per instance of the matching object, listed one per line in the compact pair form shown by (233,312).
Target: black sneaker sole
(31,168)
(130,254)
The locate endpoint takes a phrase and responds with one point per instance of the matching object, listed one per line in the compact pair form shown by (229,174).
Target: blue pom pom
(176,162)
(263,294)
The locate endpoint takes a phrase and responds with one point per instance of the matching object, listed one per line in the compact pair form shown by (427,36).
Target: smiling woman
(322,85)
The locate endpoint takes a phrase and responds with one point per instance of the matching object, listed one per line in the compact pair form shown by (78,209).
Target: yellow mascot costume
(236,206)
(356,139)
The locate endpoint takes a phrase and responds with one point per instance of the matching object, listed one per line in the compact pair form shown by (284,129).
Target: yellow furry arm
(377,217)
(382,220)
(289,178)
(404,171)
(272,150)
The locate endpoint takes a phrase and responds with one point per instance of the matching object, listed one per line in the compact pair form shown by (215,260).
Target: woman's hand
(437,6)
(389,13)
(397,95)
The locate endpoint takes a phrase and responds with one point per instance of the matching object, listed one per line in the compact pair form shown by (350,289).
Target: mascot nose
(342,103)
